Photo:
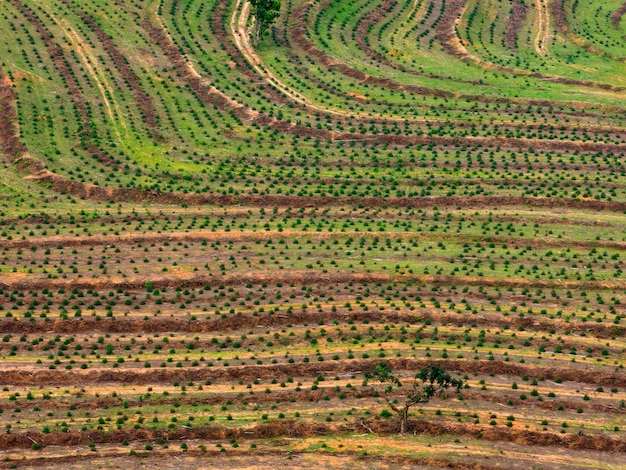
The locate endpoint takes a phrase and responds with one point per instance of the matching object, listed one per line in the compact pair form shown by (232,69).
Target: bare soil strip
(616,16)
(253,459)
(316,396)
(231,236)
(237,322)
(10,143)
(35,376)
(297,429)
(561,22)
(515,23)
(299,277)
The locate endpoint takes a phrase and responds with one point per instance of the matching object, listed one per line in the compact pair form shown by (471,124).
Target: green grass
(437,210)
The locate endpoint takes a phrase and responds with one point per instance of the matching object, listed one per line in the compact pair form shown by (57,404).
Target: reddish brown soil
(297,429)
(255,459)
(581,374)
(616,16)
(293,276)
(162,325)
(60,184)
(10,143)
(446,34)
(562,24)
(375,17)
(229,236)
(301,39)
(316,396)
(514,24)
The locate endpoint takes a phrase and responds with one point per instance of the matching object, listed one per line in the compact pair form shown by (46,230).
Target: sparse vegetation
(205,245)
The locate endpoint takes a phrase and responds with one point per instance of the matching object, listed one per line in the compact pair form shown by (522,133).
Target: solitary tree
(427,383)
(265,13)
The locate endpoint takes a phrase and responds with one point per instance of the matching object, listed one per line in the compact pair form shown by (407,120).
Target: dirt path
(543,26)
(88,58)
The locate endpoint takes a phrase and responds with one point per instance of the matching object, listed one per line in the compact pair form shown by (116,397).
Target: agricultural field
(207,248)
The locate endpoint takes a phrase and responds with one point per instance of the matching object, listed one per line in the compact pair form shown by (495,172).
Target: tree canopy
(265,13)
(427,384)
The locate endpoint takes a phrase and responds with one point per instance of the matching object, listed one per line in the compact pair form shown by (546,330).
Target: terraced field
(204,246)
